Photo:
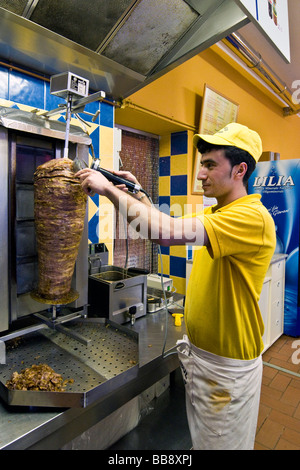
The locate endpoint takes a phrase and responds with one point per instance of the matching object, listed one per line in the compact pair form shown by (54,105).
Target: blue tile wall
(179,143)
(3,83)
(24,89)
(107,115)
(92,108)
(165,250)
(164,166)
(94,228)
(51,101)
(177,266)
(95,141)
(164,204)
(179,185)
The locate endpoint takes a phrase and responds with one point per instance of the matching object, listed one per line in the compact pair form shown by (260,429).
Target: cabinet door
(264,310)
(278,269)
(277,290)
(276,320)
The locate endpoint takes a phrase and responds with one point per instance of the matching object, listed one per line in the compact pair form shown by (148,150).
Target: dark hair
(234,154)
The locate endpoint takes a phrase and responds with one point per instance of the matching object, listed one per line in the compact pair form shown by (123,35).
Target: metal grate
(109,353)
(38,350)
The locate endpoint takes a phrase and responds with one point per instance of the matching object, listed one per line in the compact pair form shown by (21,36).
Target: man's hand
(93,181)
(127,175)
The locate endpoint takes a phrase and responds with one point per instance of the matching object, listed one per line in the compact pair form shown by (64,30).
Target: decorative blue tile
(95,199)
(95,141)
(164,274)
(177,266)
(106,115)
(164,166)
(4,83)
(51,101)
(165,250)
(179,142)
(93,228)
(179,185)
(26,90)
(91,108)
(61,118)
(164,204)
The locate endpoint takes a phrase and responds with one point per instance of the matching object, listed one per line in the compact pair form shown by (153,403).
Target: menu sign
(216,112)
(271,17)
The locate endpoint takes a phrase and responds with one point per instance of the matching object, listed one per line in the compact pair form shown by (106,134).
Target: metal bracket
(16,334)
(56,324)
(77,105)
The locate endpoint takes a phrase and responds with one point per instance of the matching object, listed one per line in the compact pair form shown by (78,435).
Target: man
(221,356)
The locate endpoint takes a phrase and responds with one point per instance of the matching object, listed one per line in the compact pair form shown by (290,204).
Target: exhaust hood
(118,45)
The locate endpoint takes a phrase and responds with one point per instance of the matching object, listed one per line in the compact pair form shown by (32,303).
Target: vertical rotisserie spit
(59,210)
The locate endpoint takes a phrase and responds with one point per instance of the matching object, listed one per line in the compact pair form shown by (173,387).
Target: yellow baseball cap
(236,135)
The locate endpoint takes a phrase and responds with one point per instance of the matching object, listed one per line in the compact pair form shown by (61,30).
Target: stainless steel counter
(50,428)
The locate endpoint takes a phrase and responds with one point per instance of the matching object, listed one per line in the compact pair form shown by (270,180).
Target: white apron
(222,398)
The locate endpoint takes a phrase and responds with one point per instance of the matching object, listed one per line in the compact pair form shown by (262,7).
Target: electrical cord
(164,294)
(136,188)
(126,241)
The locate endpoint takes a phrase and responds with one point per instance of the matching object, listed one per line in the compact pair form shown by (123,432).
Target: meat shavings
(38,377)
(59,216)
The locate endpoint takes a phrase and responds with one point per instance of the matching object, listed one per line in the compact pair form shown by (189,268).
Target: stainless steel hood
(118,45)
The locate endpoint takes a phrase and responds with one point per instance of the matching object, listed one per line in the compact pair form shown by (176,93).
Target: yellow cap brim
(211,139)
(235,135)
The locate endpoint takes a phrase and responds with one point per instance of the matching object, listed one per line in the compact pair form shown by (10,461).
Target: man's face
(215,174)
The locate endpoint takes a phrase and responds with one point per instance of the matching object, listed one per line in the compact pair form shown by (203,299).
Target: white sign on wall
(250,5)
(272,18)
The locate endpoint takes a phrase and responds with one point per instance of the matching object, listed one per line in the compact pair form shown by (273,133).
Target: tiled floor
(279,416)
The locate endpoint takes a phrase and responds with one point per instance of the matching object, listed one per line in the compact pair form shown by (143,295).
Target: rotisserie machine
(60,336)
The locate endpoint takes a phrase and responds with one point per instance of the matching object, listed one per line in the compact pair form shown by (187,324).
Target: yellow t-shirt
(222,313)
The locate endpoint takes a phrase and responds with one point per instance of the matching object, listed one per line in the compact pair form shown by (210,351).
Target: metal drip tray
(95,369)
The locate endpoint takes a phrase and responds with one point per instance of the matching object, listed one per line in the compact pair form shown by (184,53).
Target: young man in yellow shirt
(221,356)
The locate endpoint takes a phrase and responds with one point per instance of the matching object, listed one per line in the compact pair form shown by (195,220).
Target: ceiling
(122,45)
(286,72)
(118,45)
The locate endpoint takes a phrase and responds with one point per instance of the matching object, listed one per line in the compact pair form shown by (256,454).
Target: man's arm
(148,221)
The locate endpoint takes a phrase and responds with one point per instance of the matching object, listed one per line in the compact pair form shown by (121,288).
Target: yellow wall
(178,94)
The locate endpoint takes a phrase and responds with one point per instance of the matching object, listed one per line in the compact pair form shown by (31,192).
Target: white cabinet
(271,301)
(264,306)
